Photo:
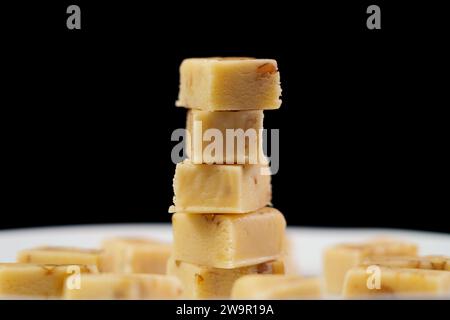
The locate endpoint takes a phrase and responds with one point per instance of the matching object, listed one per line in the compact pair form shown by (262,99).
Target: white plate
(307,243)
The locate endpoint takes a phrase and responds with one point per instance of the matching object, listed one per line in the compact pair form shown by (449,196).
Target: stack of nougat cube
(222,226)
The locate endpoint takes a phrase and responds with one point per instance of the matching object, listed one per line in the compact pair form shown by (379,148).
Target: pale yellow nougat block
(227,137)
(290,261)
(203,188)
(396,281)
(135,255)
(339,259)
(35,280)
(220,84)
(109,286)
(276,287)
(426,262)
(60,255)
(229,241)
(200,282)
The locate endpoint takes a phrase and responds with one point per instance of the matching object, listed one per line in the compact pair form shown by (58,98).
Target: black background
(88,114)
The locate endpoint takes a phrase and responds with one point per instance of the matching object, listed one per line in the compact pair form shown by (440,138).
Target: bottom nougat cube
(125,287)
(35,280)
(361,282)
(202,282)
(339,259)
(276,287)
(135,255)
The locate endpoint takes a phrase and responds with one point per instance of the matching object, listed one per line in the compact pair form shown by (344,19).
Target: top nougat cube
(220,84)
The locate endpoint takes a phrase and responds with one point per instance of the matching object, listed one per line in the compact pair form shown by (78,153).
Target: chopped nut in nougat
(200,282)
(225,84)
(340,258)
(276,287)
(359,282)
(228,241)
(241,139)
(60,255)
(135,255)
(203,188)
(35,280)
(109,286)
(426,262)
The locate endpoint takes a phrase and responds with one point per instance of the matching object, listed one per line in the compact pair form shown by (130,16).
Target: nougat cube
(36,280)
(201,282)
(135,255)
(224,84)
(395,281)
(263,287)
(203,188)
(229,241)
(110,286)
(290,260)
(227,137)
(426,262)
(339,259)
(60,255)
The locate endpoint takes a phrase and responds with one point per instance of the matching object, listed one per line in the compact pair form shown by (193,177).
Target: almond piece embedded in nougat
(226,84)
(201,282)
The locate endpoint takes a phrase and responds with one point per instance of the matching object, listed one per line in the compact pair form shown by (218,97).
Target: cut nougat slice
(340,258)
(427,262)
(276,287)
(228,240)
(203,188)
(135,255)
(109,286)
(200,282)
(225,137)
(361,282)
(60,255)
(36,280)
(221,84)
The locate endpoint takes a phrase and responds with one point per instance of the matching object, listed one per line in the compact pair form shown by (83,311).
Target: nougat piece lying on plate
(276,287)
(135,255)
(380,280)
(60,255)
(109,286)
(38,280)
(340,258)
(432,262)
